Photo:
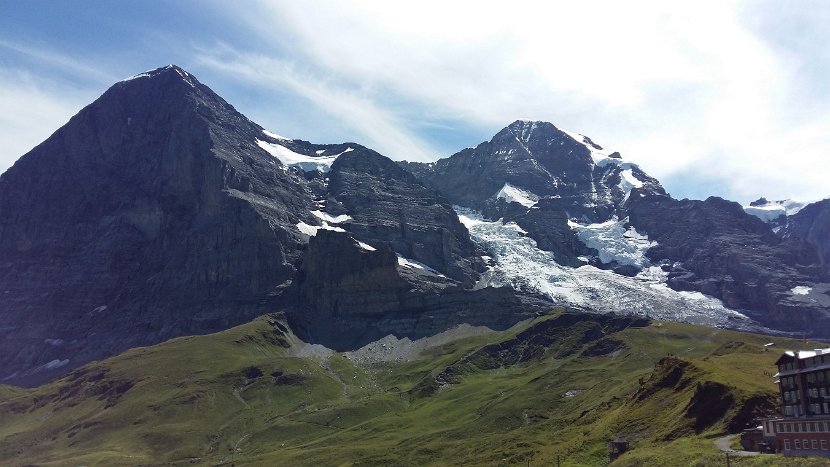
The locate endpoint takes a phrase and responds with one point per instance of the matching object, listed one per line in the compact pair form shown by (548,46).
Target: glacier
(516,261)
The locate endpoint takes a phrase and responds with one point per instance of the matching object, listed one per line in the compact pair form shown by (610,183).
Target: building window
(824,445)
(813,427)
(804,427)
(805,444)
(797,444)
(814,443)
(786,445)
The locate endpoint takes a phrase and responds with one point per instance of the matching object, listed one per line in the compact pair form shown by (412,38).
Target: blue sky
(723,98)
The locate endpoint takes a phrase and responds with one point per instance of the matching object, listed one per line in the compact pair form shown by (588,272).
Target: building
(804,388)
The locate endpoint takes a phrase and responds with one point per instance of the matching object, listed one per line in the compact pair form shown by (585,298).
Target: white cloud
(724,91)
(376,127)
(59,61)
(674,89)
(34,108)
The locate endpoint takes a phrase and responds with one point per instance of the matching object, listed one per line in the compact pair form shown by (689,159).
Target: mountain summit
(152,213)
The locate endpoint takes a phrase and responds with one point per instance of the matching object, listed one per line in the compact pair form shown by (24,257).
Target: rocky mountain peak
(162,85)
(160,215)
(524,129)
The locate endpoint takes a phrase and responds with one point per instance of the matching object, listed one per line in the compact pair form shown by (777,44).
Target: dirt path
(724,444)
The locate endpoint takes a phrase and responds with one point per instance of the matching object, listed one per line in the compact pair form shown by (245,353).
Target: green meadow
(557,388)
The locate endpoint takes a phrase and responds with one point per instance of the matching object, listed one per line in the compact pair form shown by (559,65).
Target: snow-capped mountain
(594,214)
(160,211)
(775,213)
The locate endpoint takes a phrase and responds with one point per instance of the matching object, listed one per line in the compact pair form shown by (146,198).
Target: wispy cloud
(35,108)
(374,126)
(62,62)
(673,89)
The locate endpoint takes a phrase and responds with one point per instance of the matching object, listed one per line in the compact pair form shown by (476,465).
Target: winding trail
(724,443)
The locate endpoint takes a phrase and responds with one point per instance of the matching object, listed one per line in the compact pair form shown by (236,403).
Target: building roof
(801,354)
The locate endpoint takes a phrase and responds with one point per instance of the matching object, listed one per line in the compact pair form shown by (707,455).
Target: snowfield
(774,209)
(614,242)
(517,262)
(511,194)
(289,158)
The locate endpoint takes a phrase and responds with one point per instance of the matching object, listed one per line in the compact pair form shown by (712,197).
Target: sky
(724,98)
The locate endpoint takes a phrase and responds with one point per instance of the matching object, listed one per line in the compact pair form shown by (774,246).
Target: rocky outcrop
(714,247)
(388,205)
(151,214)
(350,295)
(812,225)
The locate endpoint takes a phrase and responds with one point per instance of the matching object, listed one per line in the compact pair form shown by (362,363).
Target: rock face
(812,225)
(350,295)
(389,206)
(543,161)
(561,189)
(150,214)
(539,176)
(714,247)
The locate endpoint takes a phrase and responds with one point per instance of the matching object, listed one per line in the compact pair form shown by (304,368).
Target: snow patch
(417,266)
(801,290)
(289,158)
(150,73)
(772,210)
(511,194)
(276,136)
(366,246)
(331,219)
(54,342)
(602,158)
(311,230)
(628,182)
(614,242)
(599,155)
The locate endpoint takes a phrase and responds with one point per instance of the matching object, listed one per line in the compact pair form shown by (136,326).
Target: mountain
(151,214)
(160,211)
(582,206)
(716,248)
(811,224)
(540,177)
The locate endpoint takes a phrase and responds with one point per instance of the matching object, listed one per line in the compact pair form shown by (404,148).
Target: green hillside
(563,385)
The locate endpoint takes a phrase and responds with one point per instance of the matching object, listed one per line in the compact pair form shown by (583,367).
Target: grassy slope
(189,400)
